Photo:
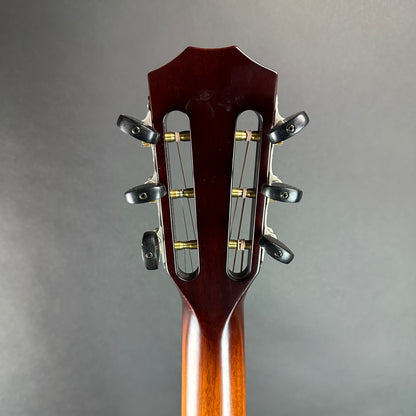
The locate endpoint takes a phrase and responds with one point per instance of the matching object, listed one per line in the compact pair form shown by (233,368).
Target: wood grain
(213,366)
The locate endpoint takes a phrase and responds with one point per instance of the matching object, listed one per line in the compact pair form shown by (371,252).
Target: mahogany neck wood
(213,365)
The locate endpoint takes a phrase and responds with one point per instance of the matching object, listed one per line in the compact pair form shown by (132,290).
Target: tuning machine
(150,250)
(278,191)
(288,127)
(276,249)
(148,192)
(139,129)
(151,190)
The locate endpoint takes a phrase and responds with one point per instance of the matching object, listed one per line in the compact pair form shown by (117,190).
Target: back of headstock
(212,199)
(212,87)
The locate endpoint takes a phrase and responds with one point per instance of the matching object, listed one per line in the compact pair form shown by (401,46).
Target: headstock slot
(179,163)
(243,196)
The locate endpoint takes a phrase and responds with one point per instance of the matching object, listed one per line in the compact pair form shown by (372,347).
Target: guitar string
(187,238)
(189,204)
(238,235)
(173,212)
(242,209)
(239,186)
(242,260)
(183,215)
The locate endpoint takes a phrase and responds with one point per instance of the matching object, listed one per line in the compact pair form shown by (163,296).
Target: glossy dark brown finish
(213,367)
(213,86)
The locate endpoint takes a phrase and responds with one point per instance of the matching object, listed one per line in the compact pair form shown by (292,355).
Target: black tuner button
(150,250)
(145,193)
(282,192)
(137,129)
(288,127)
(276,249)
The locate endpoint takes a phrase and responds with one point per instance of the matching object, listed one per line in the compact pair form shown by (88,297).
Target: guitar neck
(213,366)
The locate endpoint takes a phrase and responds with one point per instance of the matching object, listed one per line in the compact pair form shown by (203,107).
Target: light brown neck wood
(213,367)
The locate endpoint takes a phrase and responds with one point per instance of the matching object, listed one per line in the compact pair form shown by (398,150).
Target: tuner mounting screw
(143,196)
(279,253)
(290,128)
(135,130)
(284,195)
(149,255)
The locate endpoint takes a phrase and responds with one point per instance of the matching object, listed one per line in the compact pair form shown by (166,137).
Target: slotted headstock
(212,88)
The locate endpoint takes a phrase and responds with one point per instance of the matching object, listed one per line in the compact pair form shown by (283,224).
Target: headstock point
(288,127)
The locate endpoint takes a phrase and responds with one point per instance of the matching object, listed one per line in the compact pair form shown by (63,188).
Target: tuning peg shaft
(276,249)
(147,192)
(282,192)
(150,250)
(288,127)
(137,129)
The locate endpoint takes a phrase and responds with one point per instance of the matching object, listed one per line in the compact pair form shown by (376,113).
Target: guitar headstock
(213,179)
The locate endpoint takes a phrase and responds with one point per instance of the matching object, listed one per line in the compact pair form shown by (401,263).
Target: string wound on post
(249,134)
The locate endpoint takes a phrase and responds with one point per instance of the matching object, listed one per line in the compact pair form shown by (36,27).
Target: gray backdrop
(85,330)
